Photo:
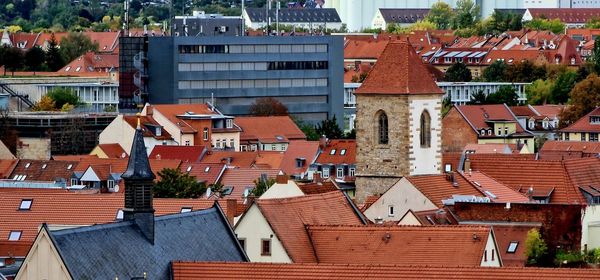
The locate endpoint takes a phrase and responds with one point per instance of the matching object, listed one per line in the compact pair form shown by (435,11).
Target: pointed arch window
(425,130)
(382,122)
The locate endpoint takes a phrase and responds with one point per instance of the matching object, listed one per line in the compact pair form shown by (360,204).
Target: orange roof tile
(289,216)
(566,15)
(584,124)
(92,62)
(493,188)
(478,116)
(147,120)
(113,150)
(269,159)
(512,56)
(118,165)
(296,271)
(242,178)
(231,158)
(332,152)
(44,170)
(583,171)
(507,234)
(558,150)
(6,167)
(209,173)
(271,129)
(551,111)
(399,70)
(184,153)
(316,188)
(491,148)
(439,187)
(406,245)
(171,111)
(72,157)
(299,149)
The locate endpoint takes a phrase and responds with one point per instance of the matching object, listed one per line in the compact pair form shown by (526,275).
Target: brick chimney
(231,210)
(281,179)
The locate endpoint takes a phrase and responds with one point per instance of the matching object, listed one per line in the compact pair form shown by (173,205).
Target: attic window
(512,247)
(25,204)
(332,152)
(343,152)
(14,236)
(78,69)
(189,169)
(119,214)
(69,166)
(27,165)
(186,209)
(227,191)
(44,166)
(207,169)
(68,68)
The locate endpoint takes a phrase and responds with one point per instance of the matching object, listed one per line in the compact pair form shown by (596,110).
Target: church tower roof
(138,167)
(399,71)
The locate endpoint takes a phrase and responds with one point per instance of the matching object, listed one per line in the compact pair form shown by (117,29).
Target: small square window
(242,243)
(14,236)
(332,152)
(119,214)
(186,209)
(343,152)
(265,247)
(391,211)
(25,204)
(512,247)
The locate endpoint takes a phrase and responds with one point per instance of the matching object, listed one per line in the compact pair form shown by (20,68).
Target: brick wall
(456,132)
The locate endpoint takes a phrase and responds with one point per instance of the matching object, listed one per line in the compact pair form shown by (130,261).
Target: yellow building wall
(43,261)
(98,152)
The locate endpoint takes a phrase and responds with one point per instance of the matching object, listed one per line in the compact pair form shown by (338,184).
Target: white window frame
(15,235)
(74,181)
(110,184)
(26,204)
(326,172)
(205,134)
(391,212)
(339,173)
(351,172)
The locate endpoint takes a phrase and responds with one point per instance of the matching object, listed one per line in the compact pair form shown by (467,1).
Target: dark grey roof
(121,250)
(138,167)
(295,15)
(403,15)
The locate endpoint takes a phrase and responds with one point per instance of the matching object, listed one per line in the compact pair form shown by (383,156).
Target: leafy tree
(500,22)
(458,72)
(535,247)
(261,186)
(446,106)
(584,97)
(45,104)
(524,72)
(440,14)
(422,25)
(13,59)
(54,59)
(596,55)
(330,129)
(563,85)
(34,59)
(307,129)
(505,94)
(268,106)
(495,72)
(554,25)
(75,45)
(62,96)
(478,98)
(538,93)
(175,184)
(466,14)
(583,71)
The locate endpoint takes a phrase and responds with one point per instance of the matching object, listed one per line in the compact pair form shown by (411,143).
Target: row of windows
(308,48)
(253,66)
(222,143)
(224,84)
(339,172)
(424,135)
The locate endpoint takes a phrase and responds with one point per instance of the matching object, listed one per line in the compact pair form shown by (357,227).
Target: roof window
(512,247)
(119,214)
(69,166)
(44,166)
(14,236)
(332,152)
(189,169)
(25,204)
(343,152)
(186,209)
(27,165)
(206,169)
(227,191)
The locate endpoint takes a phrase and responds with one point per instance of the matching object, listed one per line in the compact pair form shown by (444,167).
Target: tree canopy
(535,247)
(458,72)
(440,14)
(495,72)
(330,129)
(76,44)
(268,106)
(175,184)
(584,97)
(62,96)
(538,92)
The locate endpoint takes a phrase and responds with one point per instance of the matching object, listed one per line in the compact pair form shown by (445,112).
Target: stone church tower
(398,121)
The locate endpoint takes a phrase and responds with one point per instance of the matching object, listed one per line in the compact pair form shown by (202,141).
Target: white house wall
(43,262)
(278,190)
(118,131)
(425,160)
(493,258)
(590,235)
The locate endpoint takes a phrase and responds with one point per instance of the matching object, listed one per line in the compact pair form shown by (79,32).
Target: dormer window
(119,215)
(573,61)
(483,132)
(229,123)
(595,119)
(531,124)
(506,131)
(489,132)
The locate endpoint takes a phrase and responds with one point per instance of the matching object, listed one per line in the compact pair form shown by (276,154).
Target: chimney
(149,110)
(231,210)
(139,180)
(281,179)
(467,167)
(323,142)
(316,178)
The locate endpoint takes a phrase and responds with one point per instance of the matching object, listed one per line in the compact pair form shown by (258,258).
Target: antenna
(212,99)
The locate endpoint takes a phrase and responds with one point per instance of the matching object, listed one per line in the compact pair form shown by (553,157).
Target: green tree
(500,22)
(45,104)
(478,98)
(458,72)
(562,86)
(584,97)
(505,94)
(261,186)
(538,92)
(54,59)
(76,44)
(535,247)
(175,184)
(330,129)
(583,71)
(62,96)
(596,55)
(495,72)
(467,13)
(524,72)
(13,59)
(554,25)
(440,14)
(34,59)
(268,106)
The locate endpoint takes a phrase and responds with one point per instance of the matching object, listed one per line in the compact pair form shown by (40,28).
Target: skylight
(25,204)
(69,166)
(512,247)
(14,236)
(186,209)
(207,169)
(27,165)
(227,191)
(332,152)
(119,214)
(44,166)
(189,169)
(343,152)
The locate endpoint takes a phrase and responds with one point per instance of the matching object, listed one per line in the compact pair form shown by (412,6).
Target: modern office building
(201,24)
(303,72)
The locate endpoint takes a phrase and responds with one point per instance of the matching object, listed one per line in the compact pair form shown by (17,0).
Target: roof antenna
(138,120)
(212,100)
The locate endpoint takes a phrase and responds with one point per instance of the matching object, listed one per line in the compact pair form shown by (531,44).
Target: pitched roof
(271,129)
(189,154)
(551,111)
(241,179)
(566,15)
(6,167)
(231,158)
(119,165)
(491,148)
(299,271)
(406,245)
(583,171)
(295,15)
(147,121)
(201,235)
(523,110)
(515,234)
(298,149)
(332,152)
(44,170)
(440,187)
(399,70)
(512,56)
(113,150)
(478,116)
(92,62)
(584,124)
(209,173)
(557,150)
(497,191)
(316,188)
(522,173)
(171,111)
(289,216)
(403,15)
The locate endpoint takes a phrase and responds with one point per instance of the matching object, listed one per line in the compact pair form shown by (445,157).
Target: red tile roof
(107,41)
(6,167)
(583,171)
(551,111)
(242,178)
(399,70)
(44,170)
(523,110)
(269,159)
(171,111)
(584,124)
(233,159)
(316,188)
(406,245)
(513,55)
(491,148)
(289,216)
(113,150)
(271,129)
(478,115)
(566,15)
(521,174)
(119,165)
(299,149)
(184,153)
(337,146)
(209,173)
(558,150)
(144,121)
(92,62)
(72,157)
(505,235)
(439,187)
(493,188)
(296,271)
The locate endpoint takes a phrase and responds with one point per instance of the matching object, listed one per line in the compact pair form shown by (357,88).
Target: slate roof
(271,129)
(584,124)
(399,70)
(187,154)
(295,15)
(406,245)
(296,271)
(201,235)
(289,216)
(403,15)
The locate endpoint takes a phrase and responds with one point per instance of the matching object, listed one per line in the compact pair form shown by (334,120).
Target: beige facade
(278,190)
(527,141)
(409,219)
(590,227)
(401,197)
(34,148)
(491,257)
(225,138)
(121,132)
(425,159)
(252,228)
(5,153)
(43,261)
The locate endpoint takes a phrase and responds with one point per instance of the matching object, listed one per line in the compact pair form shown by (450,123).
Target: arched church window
(425,130)
(382,128)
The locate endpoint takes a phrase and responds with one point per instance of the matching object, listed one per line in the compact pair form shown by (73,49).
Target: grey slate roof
(138,167)
(403,15)
(121,250)
(295,15)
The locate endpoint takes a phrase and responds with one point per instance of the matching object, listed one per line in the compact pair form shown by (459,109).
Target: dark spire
(138,167)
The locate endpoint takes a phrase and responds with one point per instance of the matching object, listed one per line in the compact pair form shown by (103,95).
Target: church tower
(398,121)
(139,181)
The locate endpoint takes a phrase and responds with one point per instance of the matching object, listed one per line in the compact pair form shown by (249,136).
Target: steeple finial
(138,115)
